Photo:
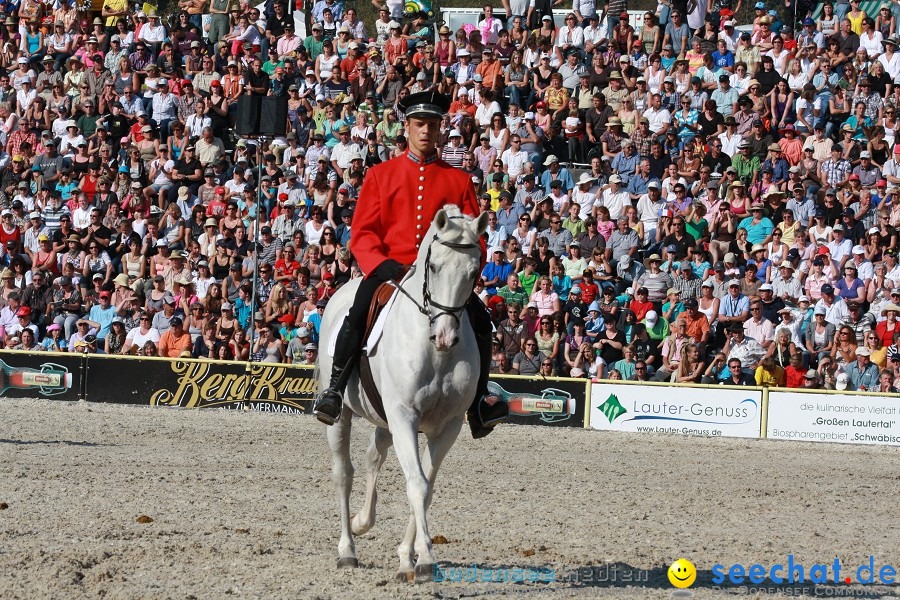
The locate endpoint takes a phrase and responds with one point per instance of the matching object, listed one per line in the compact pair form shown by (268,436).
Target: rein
(427,300)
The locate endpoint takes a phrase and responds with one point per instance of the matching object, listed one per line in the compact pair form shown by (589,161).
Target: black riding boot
(487,409)
(331,400)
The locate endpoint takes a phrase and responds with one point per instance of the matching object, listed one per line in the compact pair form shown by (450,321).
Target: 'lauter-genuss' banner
(201,384)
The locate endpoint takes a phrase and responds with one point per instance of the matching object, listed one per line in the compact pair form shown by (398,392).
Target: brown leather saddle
(379,301)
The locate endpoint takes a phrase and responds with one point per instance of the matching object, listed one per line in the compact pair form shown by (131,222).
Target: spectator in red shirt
(640,306)
(795,374)
(216,207)
(286,267)
(589,289)
(9,232)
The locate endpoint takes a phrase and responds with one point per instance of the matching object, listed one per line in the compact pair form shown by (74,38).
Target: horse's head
(450,259)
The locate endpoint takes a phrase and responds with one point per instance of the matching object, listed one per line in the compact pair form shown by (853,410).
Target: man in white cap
(868,172)
(453,151)
(734,309)
(864,269)
(552,172)
(862,375)
(786,286)
(532,136)
(811,380)
(496,271)
(398,200)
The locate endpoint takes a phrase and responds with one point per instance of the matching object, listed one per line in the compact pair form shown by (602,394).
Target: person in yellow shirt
(495,190)
(769,374)
(113,10)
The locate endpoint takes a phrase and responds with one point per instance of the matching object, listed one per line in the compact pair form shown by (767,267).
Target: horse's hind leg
(438,446)
(375,455)
(342,474)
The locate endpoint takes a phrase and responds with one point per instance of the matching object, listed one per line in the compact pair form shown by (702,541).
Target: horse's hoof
(424,573)
(348,562)
(406,576)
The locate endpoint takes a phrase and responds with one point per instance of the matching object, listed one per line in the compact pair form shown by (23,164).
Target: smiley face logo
(682,573)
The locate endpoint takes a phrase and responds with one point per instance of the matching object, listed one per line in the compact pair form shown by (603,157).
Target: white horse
(425,367)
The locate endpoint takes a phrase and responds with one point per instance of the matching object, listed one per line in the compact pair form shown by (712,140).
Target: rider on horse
(391,219)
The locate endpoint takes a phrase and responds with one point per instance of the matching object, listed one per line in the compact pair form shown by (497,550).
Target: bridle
(428,301)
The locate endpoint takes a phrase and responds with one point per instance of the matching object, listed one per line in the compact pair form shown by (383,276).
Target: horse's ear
(480,224)
(441,220)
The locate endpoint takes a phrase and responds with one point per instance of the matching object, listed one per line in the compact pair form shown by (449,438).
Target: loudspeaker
(261,115)
(273,116)
(248,110)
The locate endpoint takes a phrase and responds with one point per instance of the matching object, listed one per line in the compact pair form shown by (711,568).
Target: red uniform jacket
(397,204)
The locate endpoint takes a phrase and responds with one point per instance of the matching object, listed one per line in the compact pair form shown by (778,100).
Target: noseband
(428,301)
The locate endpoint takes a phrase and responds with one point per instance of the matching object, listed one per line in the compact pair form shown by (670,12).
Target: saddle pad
(378,327)
(332,342)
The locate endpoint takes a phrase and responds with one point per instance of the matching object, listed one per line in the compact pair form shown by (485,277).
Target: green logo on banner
(612,409)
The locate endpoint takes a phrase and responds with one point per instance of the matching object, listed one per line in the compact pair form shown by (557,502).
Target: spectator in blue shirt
(554,172)
(863,374)
(776,165)
(101,315)
(625,163)
(496,271)
(723,58)
(759,227)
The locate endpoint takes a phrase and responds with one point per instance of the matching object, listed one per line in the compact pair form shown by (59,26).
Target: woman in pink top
(546,299)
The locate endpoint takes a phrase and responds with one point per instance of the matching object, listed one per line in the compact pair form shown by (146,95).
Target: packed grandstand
(703,198)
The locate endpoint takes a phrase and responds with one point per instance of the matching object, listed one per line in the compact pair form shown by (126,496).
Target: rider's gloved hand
(389,269)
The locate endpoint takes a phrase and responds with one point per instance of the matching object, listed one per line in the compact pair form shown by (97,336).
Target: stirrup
(483,417)
(328,406)
(492,414)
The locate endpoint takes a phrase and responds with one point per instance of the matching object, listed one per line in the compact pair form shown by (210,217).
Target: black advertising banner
(268,387)
(537,401)
(57,376)
(186,383)
(281,388)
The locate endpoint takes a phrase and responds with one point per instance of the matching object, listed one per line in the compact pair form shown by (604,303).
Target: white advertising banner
(843,418)
(680,410)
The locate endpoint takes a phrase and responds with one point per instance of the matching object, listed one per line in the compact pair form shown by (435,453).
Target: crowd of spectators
(731,218)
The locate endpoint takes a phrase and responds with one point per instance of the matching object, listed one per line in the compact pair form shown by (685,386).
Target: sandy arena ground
(242,505)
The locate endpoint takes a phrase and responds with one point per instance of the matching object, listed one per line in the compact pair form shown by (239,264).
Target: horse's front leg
(405,430)
(342,474)
(438,446)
